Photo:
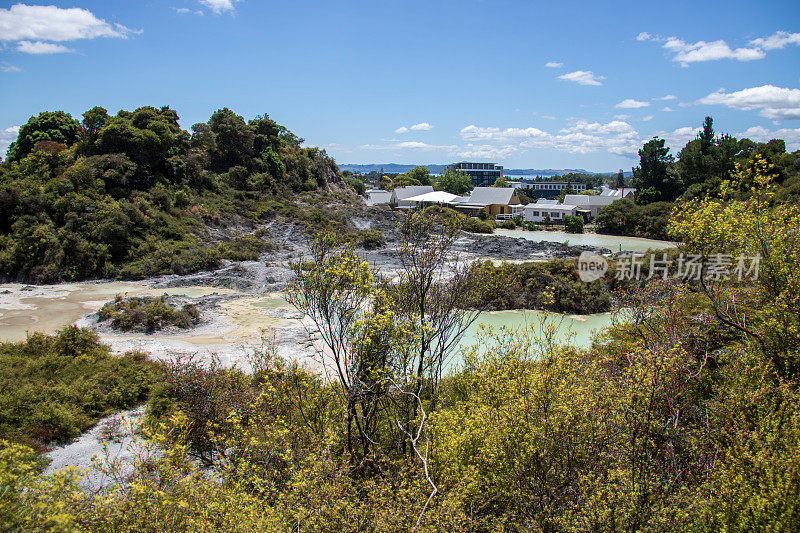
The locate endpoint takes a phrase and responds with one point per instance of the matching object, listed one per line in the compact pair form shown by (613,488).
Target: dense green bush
(507,224)
(371,238)
(551,285)
(245,248)
(55,387)
(147,313)
(474,225)
(133,195)
(624,217)
(573,224)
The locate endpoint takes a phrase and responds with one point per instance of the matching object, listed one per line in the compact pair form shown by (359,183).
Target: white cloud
(582,77)
(630,103)
(409,145)
(40,48)
(668,109)
(648,118)
(761,134)
(686,52)
(475,133)
(771,102)
(8,67)
(582,137)
(776,41)
(700,51)
(21,22)
(485,151)
(667,97)
(644,36)
(7,136)
(422,126)
(554,64)
(187,11)
(677,139)
(622,117)
(218,6)
(615,127)
(414,144)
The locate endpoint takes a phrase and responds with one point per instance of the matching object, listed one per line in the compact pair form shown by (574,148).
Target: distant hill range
(395,168)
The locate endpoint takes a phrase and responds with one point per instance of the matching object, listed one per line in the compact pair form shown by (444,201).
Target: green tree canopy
(234,140)
(500,182)
(454,182)
(54,126)
(420,174)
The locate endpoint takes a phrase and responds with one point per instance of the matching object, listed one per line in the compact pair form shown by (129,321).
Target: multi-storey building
(481,174)
(549,189)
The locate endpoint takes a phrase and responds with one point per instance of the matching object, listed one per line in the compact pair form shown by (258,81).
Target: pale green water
(575,329)
(612,242)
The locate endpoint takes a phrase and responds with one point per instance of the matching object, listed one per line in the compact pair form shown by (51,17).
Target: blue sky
(421,82)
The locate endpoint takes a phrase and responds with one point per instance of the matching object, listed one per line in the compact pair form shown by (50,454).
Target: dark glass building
(481,174)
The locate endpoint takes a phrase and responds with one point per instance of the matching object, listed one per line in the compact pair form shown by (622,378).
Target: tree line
(664,181)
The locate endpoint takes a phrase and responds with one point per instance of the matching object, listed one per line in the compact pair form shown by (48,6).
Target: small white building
(545,209)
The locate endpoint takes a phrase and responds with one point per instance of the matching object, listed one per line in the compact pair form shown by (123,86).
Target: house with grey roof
(378,197)
(501,202)
(400,195)
(590,205)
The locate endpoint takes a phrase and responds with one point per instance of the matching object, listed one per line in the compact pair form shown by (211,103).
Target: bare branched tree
(437,292)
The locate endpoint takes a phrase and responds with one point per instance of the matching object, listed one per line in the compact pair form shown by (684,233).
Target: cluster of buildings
(503,202)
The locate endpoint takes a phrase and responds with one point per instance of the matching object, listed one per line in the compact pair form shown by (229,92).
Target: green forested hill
(131,195)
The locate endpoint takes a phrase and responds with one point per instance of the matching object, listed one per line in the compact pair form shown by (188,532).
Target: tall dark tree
(707,136)
(655,177)
(620,179)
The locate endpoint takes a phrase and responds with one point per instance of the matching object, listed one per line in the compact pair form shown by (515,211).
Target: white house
(545,209)
(592,204)
(400,195)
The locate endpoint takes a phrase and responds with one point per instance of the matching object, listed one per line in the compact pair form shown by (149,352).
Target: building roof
(545,201)
(404,193)
(552,207)
(617,193)
(491,195)
(588,200)
(376,196)
(434,197)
